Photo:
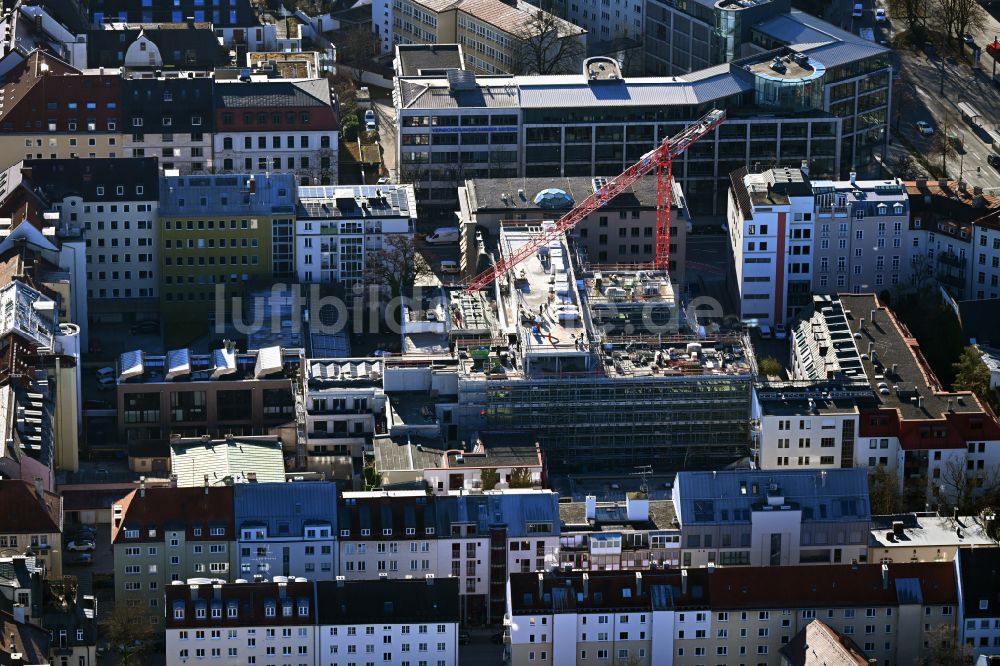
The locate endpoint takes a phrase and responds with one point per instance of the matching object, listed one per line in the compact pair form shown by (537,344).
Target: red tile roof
(181,509)
(23,512)
(831,586)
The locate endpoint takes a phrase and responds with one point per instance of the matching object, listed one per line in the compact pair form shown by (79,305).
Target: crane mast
(660,158)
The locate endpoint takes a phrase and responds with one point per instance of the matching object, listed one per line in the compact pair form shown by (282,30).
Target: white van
(443,235)
(449,266)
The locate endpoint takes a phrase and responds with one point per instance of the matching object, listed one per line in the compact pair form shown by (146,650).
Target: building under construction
(604,368)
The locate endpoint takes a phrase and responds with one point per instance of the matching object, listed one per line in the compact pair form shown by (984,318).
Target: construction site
(607,367)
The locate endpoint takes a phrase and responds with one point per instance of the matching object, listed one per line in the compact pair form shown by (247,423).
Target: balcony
(951,259)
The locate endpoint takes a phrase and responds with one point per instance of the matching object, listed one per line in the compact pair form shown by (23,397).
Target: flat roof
(914,390)
(922,530)
(543,304)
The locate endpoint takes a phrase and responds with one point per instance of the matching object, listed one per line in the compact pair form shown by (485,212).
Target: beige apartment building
(491,32)
(164,534)
(726,616)
(35,526)
(54,111)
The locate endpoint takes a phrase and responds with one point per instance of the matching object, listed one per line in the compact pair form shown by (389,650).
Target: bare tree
(398,265)
(968,491)
(546,44)
(906,167)
(357,46)
(910,12)
(883,491)
(942,648)
(128,631)
(942,145)
(958,17)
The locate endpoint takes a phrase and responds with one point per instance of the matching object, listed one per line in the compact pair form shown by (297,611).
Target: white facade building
(234,624)
(336,228)
(403,622)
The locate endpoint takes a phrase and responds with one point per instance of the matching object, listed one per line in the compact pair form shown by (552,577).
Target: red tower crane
(660,158)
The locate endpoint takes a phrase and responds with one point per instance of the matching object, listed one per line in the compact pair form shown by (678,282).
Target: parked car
(81,546)
(858,10)
(87,529)
(880,15)
(449,266)
(780,332)
(82,558)
(925,128)
(968,39)
(993,160)
(370,126)
(765,332)
(106,378)
(145,326)
(443,235)
(464,638)
(369,116)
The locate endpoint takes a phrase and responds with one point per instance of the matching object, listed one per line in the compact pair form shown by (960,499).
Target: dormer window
(179,613)
(218,531)
(231,611)
(100,191)
(303,609)
(286,609)
(345,533)
(269,610)
(216,613)
(429,530)
(120,190)
(387,531)
(138,189)
(131,534)
(365,532)
(167,121)
(196,531)
(410,531)
(199,613)
(984,604)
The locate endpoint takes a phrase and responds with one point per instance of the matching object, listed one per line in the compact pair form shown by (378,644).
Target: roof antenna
(643,473)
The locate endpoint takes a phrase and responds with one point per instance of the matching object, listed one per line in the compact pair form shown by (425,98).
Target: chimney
(429,579)
(871,317)
(173,480)
(861,326)
(920,402)
(206,484)
(586,586)
(217,592)
(541,586)
(39,488)
(684,581)
(590,502)
(637,507)
(885,576)
(822,478)
(142,486)
(894,369)
(951,407)
(194,591)
(340,581)
(854,178)
(897,528)
(252,185)
(638,583)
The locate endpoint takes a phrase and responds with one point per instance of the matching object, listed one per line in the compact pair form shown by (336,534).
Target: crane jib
(660,158)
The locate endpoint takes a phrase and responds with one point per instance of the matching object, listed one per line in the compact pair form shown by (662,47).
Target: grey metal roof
(514,510)
(730,496)
(490,92)
(272,93)
(285,507)
(842,53)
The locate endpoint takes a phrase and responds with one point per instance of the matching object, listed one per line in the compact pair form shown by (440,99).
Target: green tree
(489,478)
(349,127)
(520,477)
(770,366)
(373,478)
(971,374)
